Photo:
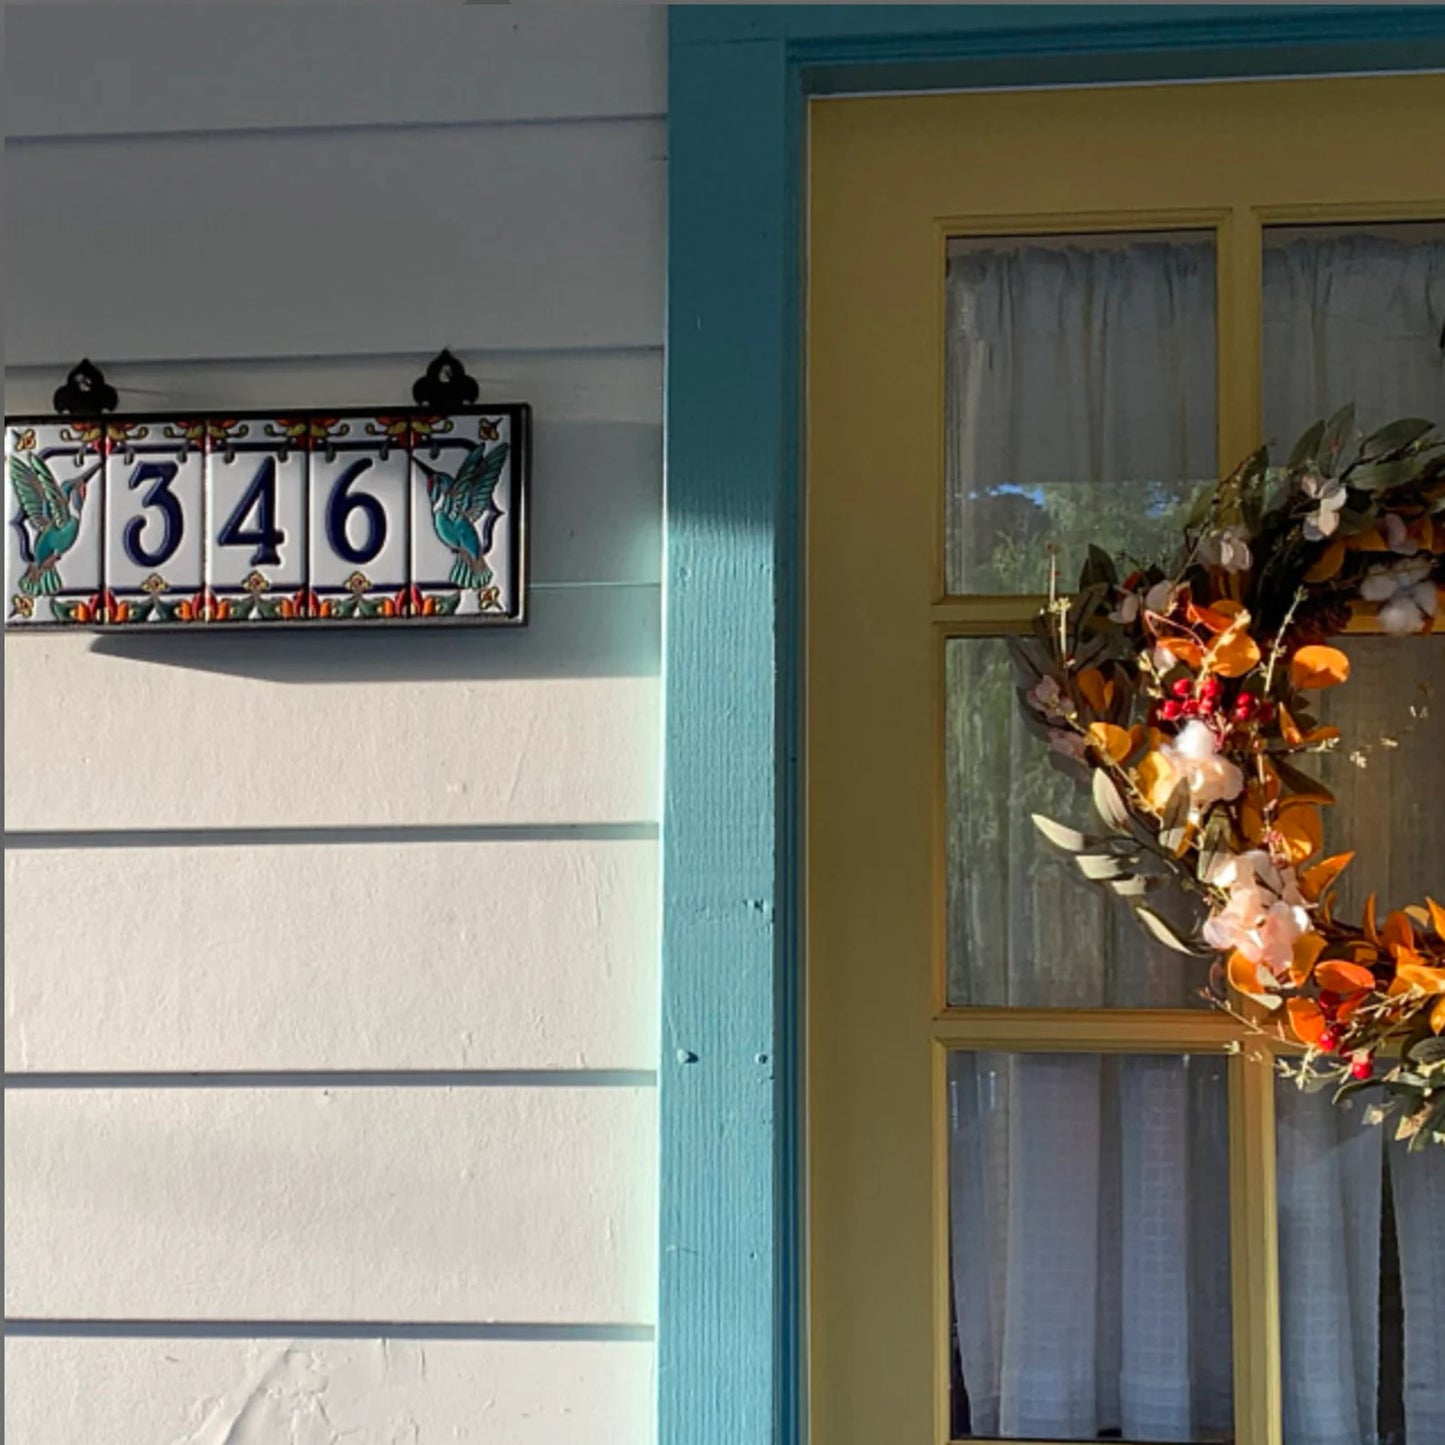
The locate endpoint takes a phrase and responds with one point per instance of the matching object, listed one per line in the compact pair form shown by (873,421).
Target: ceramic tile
(360,519)
(464,492)
(256,529)
(55,503)
(155,524)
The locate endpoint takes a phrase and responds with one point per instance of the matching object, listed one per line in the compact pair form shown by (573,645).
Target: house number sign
(379,518)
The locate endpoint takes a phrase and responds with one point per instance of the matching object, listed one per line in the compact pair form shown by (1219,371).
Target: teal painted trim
(731,1078)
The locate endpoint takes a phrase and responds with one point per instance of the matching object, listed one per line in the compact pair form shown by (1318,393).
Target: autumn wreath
(1183,696)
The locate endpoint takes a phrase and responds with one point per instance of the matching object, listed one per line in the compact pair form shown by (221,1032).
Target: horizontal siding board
(506,1204)
(218,67)
(556,722)
(504,955)
(362,1392)
(336,243)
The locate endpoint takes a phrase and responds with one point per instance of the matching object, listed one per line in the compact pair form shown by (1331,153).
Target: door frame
(731,1328)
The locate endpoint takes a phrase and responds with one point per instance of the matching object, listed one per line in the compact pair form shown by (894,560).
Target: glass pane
(1362,1279)
(1080,399)
(1089,1199)
(1352,314)
(1387,774)
(1024,928)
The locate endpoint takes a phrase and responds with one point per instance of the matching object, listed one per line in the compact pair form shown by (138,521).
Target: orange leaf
(1371,932)
(1300,830)
(1437,916)
(1289,728)
(1328,563)
(1095,691)
(1340,977)
(1307,949)
(1306,1020)
(1419,975)
(1114,742)
(1397,933)
(1318,666)
(1234,656)
(1370,540)
(1314,881)
(1437,1017)
(1189,653)
(1216,619)
(1248,978)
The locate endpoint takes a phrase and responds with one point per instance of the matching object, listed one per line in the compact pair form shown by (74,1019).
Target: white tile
(54,507)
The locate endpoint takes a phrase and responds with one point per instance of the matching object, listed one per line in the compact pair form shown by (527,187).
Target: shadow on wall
(574,631)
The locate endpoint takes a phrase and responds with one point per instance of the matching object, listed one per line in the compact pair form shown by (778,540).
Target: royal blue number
(339,508)
(160,496)
(265,536)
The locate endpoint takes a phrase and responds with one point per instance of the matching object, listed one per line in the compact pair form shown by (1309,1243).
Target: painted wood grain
(496,955)
(305,243)
(362,1392)
(221,67)
(553,723)
(509,1204)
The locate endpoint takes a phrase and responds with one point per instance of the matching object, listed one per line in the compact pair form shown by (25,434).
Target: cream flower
(1194,757)
(1264,915)
(1227,548)
(1405,592)
(1328,494)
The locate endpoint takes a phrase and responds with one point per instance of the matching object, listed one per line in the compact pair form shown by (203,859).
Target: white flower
(1397,536)
(1127,609)
(1227,548)
(1264,915)
(1407,596)
(1329,495)
(1160,598)
(1194,757)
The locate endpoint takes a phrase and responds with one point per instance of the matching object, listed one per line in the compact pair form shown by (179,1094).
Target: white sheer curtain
(1089,1194)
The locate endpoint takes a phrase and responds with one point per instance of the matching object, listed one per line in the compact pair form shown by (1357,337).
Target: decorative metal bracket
(446,385)
(86,392)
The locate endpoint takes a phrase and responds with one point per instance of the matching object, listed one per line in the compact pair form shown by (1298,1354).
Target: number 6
(339,507)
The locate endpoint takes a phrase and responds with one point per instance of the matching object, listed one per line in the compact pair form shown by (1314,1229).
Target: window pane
(1089,1199)
(1080,399)
(1352,314)
(1362,1279)
(1024,928)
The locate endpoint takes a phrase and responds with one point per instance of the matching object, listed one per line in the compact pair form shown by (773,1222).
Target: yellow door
(902,189)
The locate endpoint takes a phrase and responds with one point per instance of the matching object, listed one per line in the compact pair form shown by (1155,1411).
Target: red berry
(1190,708)
(1328,1001)
(1169,711)
(1212,688)
(1363,1067)
(1329,1041)
(1182,687)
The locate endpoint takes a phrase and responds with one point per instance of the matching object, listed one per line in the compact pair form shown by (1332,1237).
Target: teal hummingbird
(52,510)
(463,513)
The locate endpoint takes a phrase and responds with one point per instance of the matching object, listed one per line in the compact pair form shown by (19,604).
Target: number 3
(165,501)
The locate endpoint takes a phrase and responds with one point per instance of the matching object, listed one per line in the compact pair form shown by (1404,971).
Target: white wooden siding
(466,955)
(375,854)
(363,1392)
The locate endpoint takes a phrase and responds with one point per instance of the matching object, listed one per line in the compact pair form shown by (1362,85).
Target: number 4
(265,536)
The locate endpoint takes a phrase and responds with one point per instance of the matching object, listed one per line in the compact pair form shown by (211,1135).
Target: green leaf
(1396,436)
(1109,803)
(1173,828)
(1338,431)
(369,606)
(1307,448)
(1069,839)
(1098,567)
(1427,1051)
(1132,885)
(1384,476)
(1154,925)
(1100,867)
(1214,843)
(447,603)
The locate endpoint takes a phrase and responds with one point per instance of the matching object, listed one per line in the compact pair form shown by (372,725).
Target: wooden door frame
(730,1318)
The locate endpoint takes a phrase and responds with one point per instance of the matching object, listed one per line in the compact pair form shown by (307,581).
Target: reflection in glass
(1089,1208)
(1080,399)
(1024,929)
(1352,314)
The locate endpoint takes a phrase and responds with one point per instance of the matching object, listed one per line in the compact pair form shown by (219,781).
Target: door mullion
(1240,333)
